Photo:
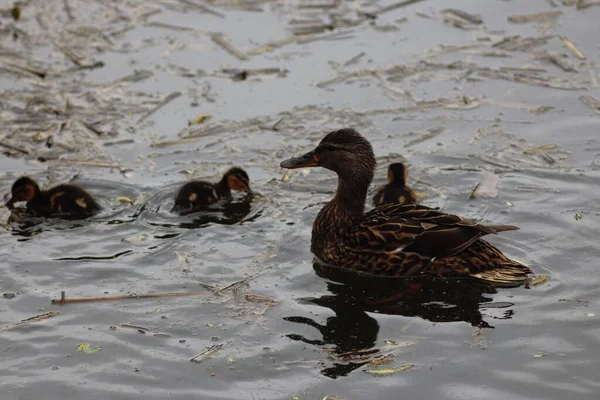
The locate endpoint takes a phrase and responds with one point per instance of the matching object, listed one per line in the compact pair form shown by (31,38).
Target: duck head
(237,179)
(397,174)
(345,152)
(24,189)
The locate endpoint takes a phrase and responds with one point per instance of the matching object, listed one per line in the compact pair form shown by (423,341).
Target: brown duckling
(396,190)
(59,201)
(197,195)
(395,240)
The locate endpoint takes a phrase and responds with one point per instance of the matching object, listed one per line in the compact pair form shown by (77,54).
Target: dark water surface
(316,334)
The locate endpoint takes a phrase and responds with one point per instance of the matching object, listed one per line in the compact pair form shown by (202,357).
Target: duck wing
(419,229)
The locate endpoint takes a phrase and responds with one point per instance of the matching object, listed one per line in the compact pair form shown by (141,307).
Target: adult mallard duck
(197,195)
(66,201)
(395,191)
(395,240)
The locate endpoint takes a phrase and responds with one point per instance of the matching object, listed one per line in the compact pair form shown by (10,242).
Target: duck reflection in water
(231,213)
(351,335)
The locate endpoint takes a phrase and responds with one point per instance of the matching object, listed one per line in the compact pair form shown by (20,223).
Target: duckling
(396,240)
(197,195)
(59,201)
(396,190)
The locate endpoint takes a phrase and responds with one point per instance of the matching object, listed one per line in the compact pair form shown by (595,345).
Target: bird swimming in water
(396,240)
(64,200)
(395,191)
(198,195)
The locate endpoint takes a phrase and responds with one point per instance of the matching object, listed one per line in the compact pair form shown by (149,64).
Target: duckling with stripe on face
(60,201)
(395,191)
(197,195)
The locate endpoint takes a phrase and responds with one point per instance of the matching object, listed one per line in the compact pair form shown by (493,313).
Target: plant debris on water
(86,348)
(389,371)
(131,98)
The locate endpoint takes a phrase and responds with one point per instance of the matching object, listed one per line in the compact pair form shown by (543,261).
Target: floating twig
(516,43)
(389,371)
(333,4)
(261,258)
(209,352)
(13,147)
(94,258)
(495,161)
(559,60)
(530,80)
(462,16)
(270,46)
(220,39)
(119,142)
(87,163)
(538,17)
(203,8)
(349,75)
(393,7)
(88,65)
(24,67)
(540,149)
(237,284)
(572,47)
(137,76)
(68,10)
(35,318)
(174,142)
(64,300)
(276,124)
(354,59)
(332,35)
(592,74)
(167,100)
(423,136)
(242,74)
(450,49)
(169,26)
(592,102)
(138,327)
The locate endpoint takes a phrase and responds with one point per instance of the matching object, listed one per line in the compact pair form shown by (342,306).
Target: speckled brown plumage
(395,240)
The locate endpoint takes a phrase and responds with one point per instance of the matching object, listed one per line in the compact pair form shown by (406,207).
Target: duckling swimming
(396,190)
(197,195)
(60,201)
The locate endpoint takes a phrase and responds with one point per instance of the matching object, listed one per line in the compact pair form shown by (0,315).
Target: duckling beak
(10,203)
(307,160)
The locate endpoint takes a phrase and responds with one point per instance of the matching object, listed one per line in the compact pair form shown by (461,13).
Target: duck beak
(307,160)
